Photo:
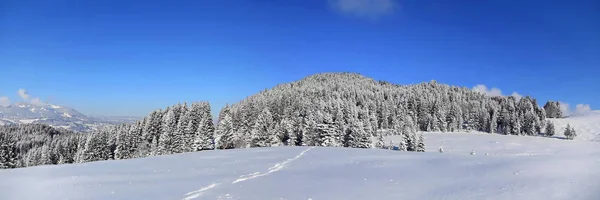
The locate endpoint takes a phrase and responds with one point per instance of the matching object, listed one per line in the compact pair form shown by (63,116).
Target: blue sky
(131,57)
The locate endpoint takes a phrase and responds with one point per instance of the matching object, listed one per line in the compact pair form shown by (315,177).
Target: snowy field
(503,167)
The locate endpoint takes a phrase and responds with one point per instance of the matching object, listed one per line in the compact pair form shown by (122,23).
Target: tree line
(329,109)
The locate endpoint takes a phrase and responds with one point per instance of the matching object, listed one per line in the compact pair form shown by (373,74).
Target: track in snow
(274,168)
(198,193)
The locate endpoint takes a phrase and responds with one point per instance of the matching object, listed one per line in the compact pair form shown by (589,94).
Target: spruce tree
(168,139)
(549,129)
(224,131)
(421,144)
(261,136)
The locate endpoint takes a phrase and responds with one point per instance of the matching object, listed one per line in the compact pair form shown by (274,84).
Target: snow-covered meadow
(503,167)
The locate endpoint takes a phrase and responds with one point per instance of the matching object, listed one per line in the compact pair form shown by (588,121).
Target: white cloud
(494,92)
(23,94)
(484,89)
(565,108)
(4,101)
(516,95)
(579,109)
(582,108)
(36,101)
(27,98)
(372,9)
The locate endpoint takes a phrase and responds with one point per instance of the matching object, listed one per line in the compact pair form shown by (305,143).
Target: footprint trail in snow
(274,168)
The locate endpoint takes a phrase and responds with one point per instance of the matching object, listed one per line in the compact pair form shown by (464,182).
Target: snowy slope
(516,167)
(586,125)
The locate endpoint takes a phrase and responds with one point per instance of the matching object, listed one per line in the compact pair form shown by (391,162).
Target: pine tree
(261,136)
(356,137)
(402,146)
(310,136)
(421,144)
(96,147)
(224,132)
(552,109)
(329,132)
(549,129)
(185,131)
(204,132)
(412,142)
(167,140)
(8,154)
(570,132)
(122,143)
(379,142)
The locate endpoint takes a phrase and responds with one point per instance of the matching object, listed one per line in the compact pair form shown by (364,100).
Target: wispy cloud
(490,92)
(582,108)
(517,96)
(494,92)
(27,98)
(4,101)
(23,94)
(567,110)
(371,9)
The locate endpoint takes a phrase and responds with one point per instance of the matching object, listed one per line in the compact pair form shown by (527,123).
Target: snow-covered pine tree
(185,130)
(379,141)
(96,147)
(261,136)
(168,138)
(48,157)
(549,129)
(573,133)
(356,137)
(150,134)
(122,143)
(204,135)
(328,132)
(310,136)
(421,143)
(8,154)
(402,146)
(567,132)
(553,110)
(412,142)
(288,133)
(570,133)
(224,132)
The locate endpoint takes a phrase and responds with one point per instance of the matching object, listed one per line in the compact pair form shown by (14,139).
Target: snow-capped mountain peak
(54,115)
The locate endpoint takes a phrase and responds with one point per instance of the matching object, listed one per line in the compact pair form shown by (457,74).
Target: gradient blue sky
(131,57)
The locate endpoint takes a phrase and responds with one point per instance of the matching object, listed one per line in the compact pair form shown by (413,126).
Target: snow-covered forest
(176,129)
(347,108)
(329,109)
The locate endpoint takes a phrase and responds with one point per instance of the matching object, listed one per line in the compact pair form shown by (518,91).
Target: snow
(66,115)
(586,125)
(502,167)
(27,121)
(55,106)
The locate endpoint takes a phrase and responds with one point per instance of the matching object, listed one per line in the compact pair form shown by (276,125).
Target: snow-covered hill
(54,115)
(587,125)
(503,167)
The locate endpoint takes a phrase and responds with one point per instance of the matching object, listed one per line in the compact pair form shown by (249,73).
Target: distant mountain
(56,116)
